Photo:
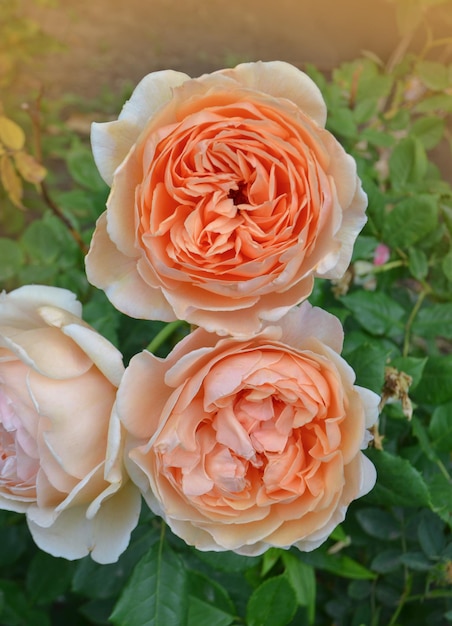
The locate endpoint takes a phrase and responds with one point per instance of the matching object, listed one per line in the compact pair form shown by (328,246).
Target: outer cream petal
(111,141)
(308,321)
(108,269)
(283,80)
(33,296)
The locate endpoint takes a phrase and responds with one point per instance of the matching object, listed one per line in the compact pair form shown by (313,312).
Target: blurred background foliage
(390,562)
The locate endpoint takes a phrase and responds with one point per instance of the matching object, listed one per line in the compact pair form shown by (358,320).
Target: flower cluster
(228,197)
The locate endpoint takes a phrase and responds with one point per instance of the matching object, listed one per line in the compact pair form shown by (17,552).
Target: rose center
(238,196)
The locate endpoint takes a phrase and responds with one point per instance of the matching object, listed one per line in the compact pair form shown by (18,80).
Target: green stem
(163,335)
(402,602)
(414,312)
(387,266)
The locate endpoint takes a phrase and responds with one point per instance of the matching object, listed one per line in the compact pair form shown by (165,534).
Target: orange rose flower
(246,444)
(228,197)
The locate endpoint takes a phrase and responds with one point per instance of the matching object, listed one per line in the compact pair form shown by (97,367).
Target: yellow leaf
(29,168)
(11,181)
(11,134)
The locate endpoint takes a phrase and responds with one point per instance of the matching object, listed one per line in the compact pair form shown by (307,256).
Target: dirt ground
(111,41)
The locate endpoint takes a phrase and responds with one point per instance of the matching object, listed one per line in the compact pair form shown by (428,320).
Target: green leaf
(273,603)
(441,103)
(48,578)
(407,163)
(156,594)
(209,591)
(416,561)
(398,482)
(434,321)
(421,435)
(417,263)
(410,220)
(430,533)
(342,123)
(369,361)
(374,310)
(203,614)
(228,561)
(11,257)
(434,75)
(338,564)
(83,170)
(387,561)
(440,428)
(302,579)
(378,523)
(446,265)
(435,387)
(440,490)
(429,131)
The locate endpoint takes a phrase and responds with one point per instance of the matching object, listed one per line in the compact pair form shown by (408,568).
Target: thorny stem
(35,116)
(414,312)
(163,335)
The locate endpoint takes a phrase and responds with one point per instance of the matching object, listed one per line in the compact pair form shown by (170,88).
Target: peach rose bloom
(246,444)
(60,456)
(227,197)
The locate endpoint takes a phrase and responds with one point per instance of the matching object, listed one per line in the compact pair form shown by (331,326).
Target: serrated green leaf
(273,603)
(203,614)
(430,533)
(434,321)
(417,263)
(398,482)
(421,435)
(407,163)
(378,523)
(440,490)
(338,564)
(429,131)
(368,361)
(302,579)
(209,591)
(374,310)
(410,220)
(156,594)
(440,428)
(83,170)
(387,561)
(435,387)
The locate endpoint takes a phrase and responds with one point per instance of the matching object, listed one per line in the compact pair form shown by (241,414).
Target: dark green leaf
(48,578)
(435,387)
(440,490)
(398,482)
(446,265)
(440,428)
(416,561)
(338,564)
(302,579)
(228,561)
(274,603)
(368,361)
(208,590)
(431,535)
(434,321)
(378,523)
(11,257)
(387,561)
(374,310)
(156,594)
(410,220)
(202,614)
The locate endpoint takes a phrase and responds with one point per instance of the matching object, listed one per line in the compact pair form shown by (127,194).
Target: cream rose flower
(246,444)
(60,456)
(228,196)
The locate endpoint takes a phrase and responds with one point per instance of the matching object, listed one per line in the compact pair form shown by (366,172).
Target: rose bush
(60,456)
(246,444)
(228,197)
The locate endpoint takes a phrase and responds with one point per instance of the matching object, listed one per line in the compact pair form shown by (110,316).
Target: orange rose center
(269,439)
